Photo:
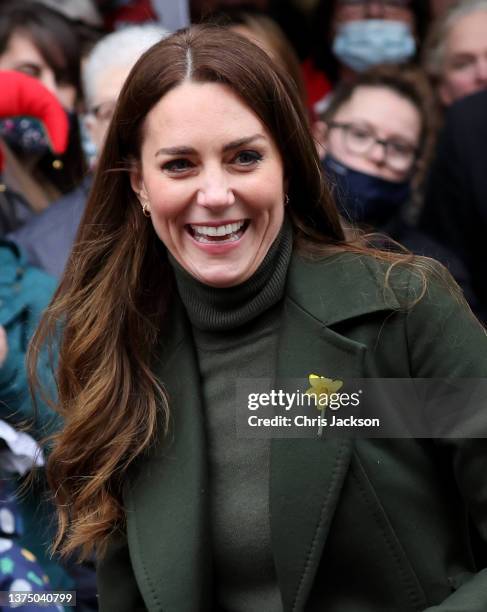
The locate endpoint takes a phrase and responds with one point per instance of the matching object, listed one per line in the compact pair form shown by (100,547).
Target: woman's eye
(30,70)
(462,63)
(401,148)
(177,165)
(360,133)
(248,158)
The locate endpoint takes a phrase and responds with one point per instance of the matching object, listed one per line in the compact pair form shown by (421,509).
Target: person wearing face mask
(47,238)
(41,43)
(351,36)
(21,96)
(376,144)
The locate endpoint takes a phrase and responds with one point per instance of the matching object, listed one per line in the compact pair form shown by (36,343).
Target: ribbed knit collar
(215,309)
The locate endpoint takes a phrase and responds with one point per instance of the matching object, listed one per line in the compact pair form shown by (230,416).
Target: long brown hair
(113,299)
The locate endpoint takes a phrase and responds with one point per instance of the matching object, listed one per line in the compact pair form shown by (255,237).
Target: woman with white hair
(105,70)
(455,55)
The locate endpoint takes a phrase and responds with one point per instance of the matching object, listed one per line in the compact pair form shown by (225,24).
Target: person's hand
(3,345)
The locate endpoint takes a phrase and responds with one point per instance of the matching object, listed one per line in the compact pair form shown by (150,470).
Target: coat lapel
(167,504)
(307,474)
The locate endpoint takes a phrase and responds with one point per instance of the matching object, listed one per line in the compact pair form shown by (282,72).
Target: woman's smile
(225,233)
(217,238)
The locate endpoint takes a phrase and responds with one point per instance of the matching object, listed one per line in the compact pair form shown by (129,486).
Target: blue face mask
(369,42)
(363,198)
(90,149)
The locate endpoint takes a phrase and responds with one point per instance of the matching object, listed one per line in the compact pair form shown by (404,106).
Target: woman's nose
(377,153)
(215,192)
(481,71)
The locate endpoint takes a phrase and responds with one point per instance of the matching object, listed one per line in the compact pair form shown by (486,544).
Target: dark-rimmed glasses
(103,111)
(359,139)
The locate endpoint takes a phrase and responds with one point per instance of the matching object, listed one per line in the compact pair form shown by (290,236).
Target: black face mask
(24,135)
(363,198)
(27,136)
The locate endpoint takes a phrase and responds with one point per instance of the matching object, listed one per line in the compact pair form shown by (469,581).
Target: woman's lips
(218,234)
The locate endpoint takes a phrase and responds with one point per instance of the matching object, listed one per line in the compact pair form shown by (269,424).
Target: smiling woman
(215,188)
(210,253)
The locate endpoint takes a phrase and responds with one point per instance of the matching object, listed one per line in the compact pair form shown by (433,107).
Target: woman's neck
(221,309)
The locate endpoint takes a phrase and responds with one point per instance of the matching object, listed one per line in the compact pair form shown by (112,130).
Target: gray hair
(118,49)
(434,50)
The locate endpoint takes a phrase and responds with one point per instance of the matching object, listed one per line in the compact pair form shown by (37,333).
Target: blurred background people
(24,97)
(84,16)
(438,7)
(78,11)
(289,14)
(40,42)
(267,34)
(47,239)
(455,208)
(378,137)
(455,55)
(350,36)
(104,73)
(24,294)
(381,125)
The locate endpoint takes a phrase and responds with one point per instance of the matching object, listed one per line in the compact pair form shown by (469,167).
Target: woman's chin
(221,277)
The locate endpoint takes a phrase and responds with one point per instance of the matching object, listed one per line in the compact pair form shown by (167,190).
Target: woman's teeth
(221,234)
(221,230)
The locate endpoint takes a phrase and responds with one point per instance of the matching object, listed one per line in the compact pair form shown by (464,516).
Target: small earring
(146,209)
(286,199)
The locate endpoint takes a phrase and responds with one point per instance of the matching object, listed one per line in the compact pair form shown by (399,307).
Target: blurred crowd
(396,95)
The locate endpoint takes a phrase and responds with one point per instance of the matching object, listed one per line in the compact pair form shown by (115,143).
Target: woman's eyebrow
(235,144)
(241,142)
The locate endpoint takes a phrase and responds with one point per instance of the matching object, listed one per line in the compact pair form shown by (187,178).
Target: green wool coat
(365,525)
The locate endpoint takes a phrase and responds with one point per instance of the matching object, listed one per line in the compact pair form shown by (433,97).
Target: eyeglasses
(359,139)
(103,111)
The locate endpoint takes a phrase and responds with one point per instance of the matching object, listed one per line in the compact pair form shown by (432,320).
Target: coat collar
(339,287)
(173,569)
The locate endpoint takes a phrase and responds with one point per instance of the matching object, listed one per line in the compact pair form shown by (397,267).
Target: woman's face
(465,61)
(213,179)
(22,55)
(387,116)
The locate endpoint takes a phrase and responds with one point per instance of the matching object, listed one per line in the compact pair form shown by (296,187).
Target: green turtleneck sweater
(235,331)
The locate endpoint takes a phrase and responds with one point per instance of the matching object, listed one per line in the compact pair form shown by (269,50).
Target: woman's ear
(137,182)
(319,129)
